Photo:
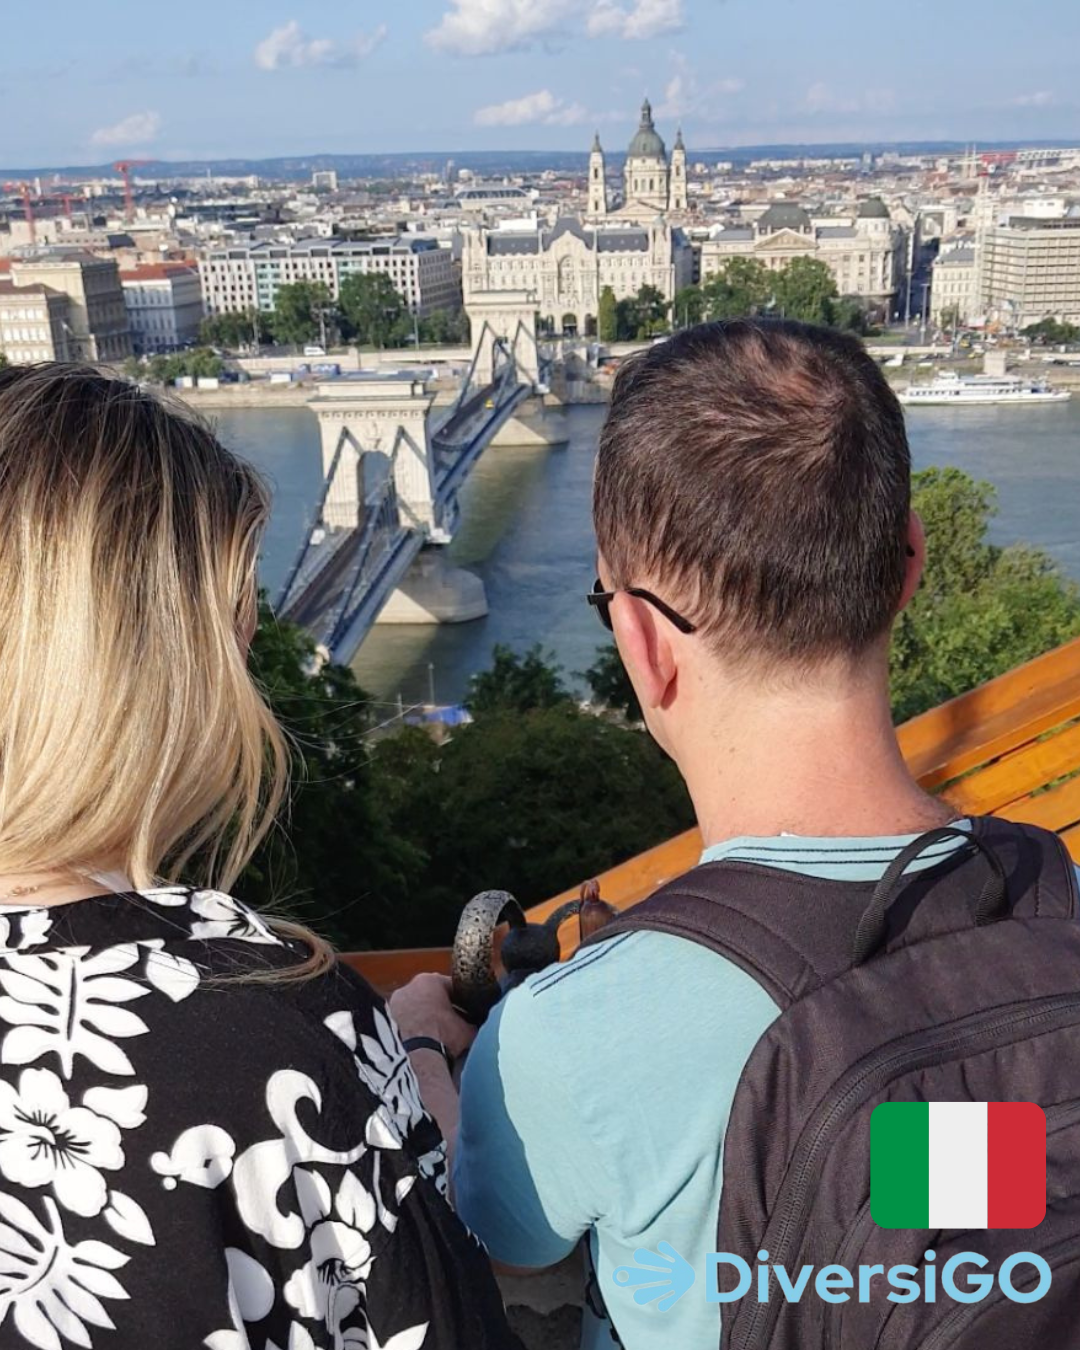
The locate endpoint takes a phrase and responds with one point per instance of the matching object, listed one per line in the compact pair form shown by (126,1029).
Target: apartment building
(33,323)
(164,306)
(95,320)
(239,277)
(1028,269)
(953,293)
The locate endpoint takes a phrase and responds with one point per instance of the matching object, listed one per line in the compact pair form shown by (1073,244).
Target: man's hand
(423,1008)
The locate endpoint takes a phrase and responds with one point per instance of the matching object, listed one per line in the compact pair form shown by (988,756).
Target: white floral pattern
(21,930)
(46,1141)
(309,1163)
(386,1070)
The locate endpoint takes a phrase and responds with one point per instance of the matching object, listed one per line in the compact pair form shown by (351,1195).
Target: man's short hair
(758,471)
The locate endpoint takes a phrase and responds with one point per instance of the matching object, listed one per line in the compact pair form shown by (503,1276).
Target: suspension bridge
(394,462)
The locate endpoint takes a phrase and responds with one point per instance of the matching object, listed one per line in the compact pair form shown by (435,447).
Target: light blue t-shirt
(596,1098)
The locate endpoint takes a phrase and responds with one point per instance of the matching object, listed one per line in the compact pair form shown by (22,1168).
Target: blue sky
(218,78)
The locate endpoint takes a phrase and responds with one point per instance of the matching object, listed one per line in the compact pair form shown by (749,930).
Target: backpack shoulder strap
(714,905)
(793,932)
(1041,875)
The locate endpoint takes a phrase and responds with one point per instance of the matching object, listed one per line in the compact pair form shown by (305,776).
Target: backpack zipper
(1058,1118)
(940,1337)
(918,1051)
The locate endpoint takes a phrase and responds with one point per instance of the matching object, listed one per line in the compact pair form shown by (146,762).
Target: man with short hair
(756,543)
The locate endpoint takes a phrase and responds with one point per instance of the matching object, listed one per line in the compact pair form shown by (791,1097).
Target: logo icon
(655,1274)
(957,1165)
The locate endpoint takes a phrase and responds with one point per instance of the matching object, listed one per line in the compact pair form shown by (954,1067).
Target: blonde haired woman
(210,1134)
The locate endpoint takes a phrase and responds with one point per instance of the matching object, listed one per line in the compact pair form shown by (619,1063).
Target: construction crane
(23,190)
(124,168)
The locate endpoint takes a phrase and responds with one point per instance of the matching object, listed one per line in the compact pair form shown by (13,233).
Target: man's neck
(814,765)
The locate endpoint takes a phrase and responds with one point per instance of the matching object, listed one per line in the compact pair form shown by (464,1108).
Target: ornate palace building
(566,267)
(866,252)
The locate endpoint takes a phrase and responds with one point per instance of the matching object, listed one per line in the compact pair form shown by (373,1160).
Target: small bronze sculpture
(526,947)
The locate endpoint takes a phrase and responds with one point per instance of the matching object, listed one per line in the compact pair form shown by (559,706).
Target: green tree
(445,327)
(372,306)
(607,320)
(652,311)
(688,307)
(610,685)
(531,802)
(849,315)
(805,289)
(201,363)
(3,360)
(233,330)
(1053,331)
(336,862)
(642,315)
(741,287)
(300,311)
(516,683)
(981,609)
(950,317)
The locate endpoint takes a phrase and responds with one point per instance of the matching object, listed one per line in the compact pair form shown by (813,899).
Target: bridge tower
(375,423)
(511,316)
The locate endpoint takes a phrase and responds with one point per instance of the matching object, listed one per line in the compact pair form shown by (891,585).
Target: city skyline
(472,75)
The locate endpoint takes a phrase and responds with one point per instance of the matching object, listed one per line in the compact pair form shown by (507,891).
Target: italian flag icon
(957,1165)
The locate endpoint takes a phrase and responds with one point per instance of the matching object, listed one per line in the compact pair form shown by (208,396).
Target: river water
(526,530)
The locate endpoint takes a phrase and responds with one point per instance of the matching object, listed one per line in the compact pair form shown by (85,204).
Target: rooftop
(157,272)
(784,216)
(605,239)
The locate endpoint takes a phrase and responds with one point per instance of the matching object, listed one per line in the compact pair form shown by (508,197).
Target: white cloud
(1042,99)
(139,129)
(290,47)
(483,27)
(687,95)
(642,19)
(541,108)
(821,98)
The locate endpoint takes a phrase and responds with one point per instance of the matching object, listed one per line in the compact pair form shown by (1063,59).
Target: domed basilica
(652,185)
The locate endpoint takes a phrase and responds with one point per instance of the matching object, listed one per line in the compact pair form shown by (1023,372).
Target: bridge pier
(539,421)
(433,591)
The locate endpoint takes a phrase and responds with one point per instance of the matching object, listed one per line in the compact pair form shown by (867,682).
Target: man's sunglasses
(601,602)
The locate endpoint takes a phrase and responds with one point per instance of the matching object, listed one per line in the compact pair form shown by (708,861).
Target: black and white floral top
(187,1159)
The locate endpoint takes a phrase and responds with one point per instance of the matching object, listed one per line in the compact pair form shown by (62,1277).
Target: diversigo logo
(933,1165)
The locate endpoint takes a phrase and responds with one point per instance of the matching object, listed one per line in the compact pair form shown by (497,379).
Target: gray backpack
(958,982)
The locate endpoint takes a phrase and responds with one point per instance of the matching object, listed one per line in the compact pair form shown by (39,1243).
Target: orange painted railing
(1008,748)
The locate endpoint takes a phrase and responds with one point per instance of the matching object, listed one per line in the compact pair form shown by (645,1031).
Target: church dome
(784,216)
(647,143)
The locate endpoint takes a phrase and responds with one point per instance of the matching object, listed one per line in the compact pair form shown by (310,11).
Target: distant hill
(489,162)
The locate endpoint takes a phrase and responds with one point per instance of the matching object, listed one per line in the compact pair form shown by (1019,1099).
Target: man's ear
(645,647)
(915,559)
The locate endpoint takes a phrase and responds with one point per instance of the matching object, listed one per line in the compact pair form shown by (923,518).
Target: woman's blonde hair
(132,735)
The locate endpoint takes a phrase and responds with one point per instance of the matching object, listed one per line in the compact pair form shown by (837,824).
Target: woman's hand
(423,1008)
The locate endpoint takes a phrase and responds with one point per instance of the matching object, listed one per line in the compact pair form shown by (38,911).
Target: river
(526,530)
